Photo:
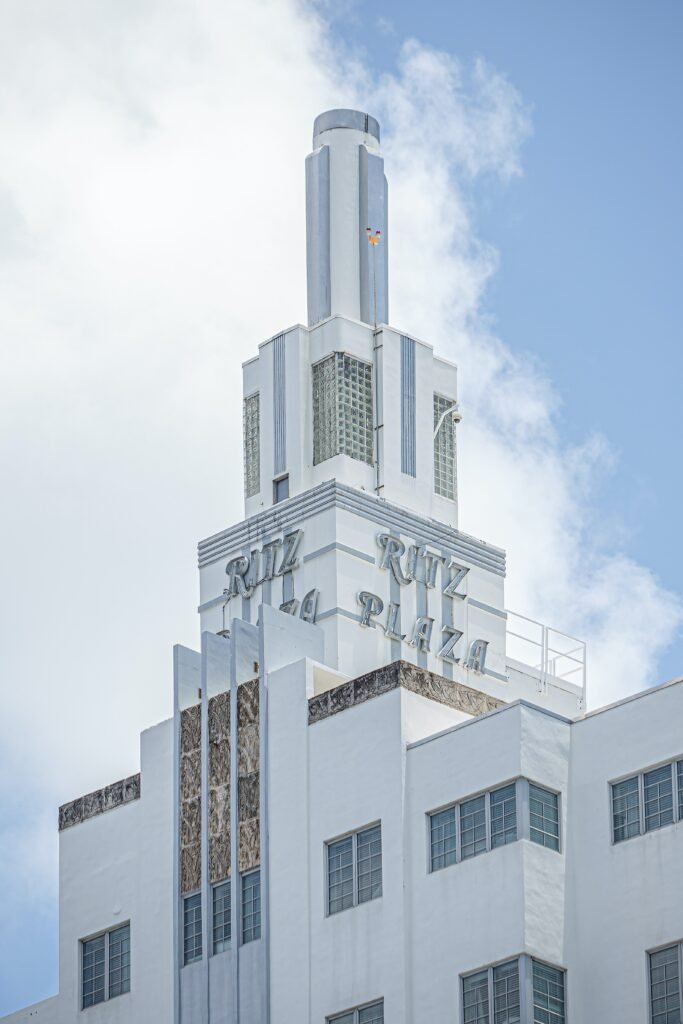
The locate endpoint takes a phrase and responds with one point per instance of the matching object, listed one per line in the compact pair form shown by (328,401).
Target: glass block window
(442,838)
(94,973)
(105,966)
(666,1000)
(473,827)
(503,816)
(371,1014)
(342,409)
(625,809)
(252,444)
(658,798)
(192,928)
(544,817)
(251,906)
(444,448)
(354,869)
(222,924)
(647,801)
(506,1004)
(475,998)
(119,961)
(548,994)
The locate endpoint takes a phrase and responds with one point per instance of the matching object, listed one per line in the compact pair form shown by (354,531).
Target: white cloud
(151,190)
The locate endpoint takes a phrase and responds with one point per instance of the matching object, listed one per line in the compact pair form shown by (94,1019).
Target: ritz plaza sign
(407,566)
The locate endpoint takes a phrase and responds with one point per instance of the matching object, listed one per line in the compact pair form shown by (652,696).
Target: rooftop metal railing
(547,651)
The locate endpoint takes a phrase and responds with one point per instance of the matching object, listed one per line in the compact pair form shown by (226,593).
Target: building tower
(380,797)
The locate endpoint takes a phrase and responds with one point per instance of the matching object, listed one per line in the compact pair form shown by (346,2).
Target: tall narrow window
(473,827)
(408,439)
(503,816)
(658,796)
(222,924)
(354,869)
(251,906)
(625,809)
(506,1005)
(342,409)
(475,998)
(105,966)
(544,817)
(666,1001)
(548,989)
(192,928)
(252,445)
(444,448)
(442,838)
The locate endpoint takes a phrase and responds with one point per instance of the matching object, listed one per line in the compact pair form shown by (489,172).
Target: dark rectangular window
(442,838)
(658,798)
(281,489)
(504,816)
(105,966)
(666,1001)
(222,924)
(473,827)
(192,928)
(548,989)
(251,906)
(544,817)
(492,996)
(625,809)
(354,869)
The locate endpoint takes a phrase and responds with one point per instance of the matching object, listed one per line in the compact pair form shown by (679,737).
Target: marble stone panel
(99,801)
(191,867)
(247,703)
(190,775)
(219,857)
(219,762)
(248,749)
(219,810)
(190,729)
(249,845)
(190,822)
(219,715)
(248,789)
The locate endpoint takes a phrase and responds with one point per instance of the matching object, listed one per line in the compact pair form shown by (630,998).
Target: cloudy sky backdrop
(152,234)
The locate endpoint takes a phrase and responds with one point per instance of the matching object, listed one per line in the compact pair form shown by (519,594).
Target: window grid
(548,993)
(506,1003)
(105,966)
(251,906)
(647,801)
(119,961)
(475,998)
(373,1013)
(192,928)
(485,822)
(222,910)
(342,409)
(354,869)
(666,996)
(444,449)
(544,817)
(251,422)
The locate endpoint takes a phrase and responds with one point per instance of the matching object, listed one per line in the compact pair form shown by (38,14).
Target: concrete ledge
(101,800)
(410,677)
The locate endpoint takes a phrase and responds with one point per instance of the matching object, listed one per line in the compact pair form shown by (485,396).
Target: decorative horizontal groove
(335,495)
(99,801)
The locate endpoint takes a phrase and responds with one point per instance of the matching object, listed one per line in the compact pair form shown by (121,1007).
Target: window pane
(369,860)
(192,928)
(659,798)
(665,992)
(444,449)
(503,816)
(680,790)
(544,817)
(506,993)
(340,875)
(372,1014)
(344,1018)
(548,994)
(442,837)
(251,906)
(93,971)
(252,445)
(475,998)
(473,827)
(625,809)
(222,925)
(119,961)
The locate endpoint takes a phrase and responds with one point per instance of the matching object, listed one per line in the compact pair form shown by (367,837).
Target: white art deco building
(380,797)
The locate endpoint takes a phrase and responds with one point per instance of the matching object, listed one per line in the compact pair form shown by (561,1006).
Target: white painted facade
(336,759)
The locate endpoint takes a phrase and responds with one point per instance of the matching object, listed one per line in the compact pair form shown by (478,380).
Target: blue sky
(129,234)
(590,236)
